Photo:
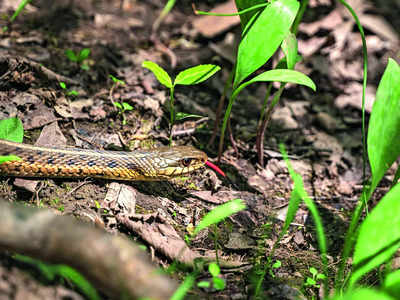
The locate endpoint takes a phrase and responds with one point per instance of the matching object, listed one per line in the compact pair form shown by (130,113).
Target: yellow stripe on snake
(155,164)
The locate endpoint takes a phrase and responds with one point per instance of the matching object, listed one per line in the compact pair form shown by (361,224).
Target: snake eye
(186,162)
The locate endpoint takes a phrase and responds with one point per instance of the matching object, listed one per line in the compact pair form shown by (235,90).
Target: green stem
(299,16)
(367,192)
(172,113)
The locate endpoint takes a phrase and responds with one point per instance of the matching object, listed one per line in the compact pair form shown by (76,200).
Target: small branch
(113,263)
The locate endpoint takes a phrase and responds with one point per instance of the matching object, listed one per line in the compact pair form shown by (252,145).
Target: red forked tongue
(215,168)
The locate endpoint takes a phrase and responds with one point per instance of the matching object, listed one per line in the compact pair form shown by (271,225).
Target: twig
(111,262)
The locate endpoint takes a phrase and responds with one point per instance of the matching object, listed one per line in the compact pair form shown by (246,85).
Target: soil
(321,132)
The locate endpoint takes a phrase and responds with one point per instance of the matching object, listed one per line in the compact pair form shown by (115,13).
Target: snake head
(175,161)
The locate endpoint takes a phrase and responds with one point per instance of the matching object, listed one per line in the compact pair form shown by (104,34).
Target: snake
(155,164)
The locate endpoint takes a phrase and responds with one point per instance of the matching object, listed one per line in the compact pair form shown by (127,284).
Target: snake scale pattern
(155,164)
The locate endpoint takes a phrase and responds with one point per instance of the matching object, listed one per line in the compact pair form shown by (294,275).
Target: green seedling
(217,215)
(315,280)
(190,76)
(257,46)
(122,108)
(79,57)
(217,282)
(73,93)
(276,265)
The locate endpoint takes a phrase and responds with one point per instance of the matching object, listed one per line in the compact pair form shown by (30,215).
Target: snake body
(154,164)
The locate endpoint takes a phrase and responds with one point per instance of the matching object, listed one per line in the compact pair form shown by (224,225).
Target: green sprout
(79,58)
(68,92)
(314,281)
(122,108)
(218,282)
(190,76)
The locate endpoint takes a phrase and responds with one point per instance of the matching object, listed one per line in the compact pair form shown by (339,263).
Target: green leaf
(181,116)
(277,264)
(219,213)
(289,47)
(264,37)
(63,85)
(384,124)
(127,106)
(392,284)
(196,74)
(20,7)
(363,294)
(185,286)
(313,271)
(71,55)
(379,235)
(219,283)
(117,105)
(83,54)
(203,284)
(159,72)
(214,269)
(116,80)
(8,158)
(281,75)
(244,4)
(72,93)
(11,129)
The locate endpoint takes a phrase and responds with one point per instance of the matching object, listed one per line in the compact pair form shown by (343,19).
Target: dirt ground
(321,130)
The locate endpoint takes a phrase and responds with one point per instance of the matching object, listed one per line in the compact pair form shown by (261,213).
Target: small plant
(79,57)
(190,76)
(257,46)
(122,108)
(214,217)
(315,279)
(68,92)
(217,282)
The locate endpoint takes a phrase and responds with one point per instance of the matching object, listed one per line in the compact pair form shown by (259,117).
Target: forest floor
(321,131)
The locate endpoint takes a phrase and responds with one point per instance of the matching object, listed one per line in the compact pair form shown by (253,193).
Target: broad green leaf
(71,55)
(244,4)
(392,284)
(264,37)
(161,75)
(127,106)
(8,158)
(63,85)
(363,294)
(281,75)
(11,129)
(117,105)
(218,283)
(196,74)
(181,116)
(84,54)
(384,124)
(214,269)
(220,213)
(379,235)
(289,47)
